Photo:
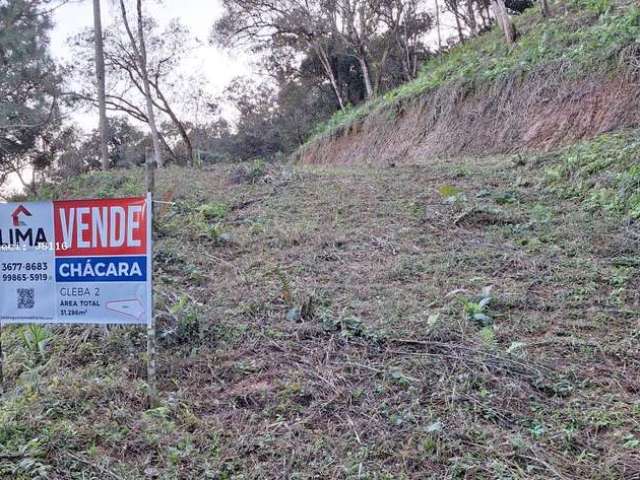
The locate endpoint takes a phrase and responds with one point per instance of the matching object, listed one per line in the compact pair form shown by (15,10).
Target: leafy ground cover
(469,318)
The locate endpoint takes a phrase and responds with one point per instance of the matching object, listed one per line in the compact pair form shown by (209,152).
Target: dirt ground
(540,112)
(451,320)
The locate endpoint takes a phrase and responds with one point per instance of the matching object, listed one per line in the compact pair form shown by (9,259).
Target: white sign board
(76,261)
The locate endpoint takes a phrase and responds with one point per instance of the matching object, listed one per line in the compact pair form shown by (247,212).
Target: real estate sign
(76,261)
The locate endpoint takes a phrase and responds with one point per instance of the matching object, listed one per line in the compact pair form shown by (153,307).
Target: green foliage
(251,172)
(186,330)
(109,184)
(603,172)
(476,311)
(348,326)
(28,464)
(449,193)
(488,337)
(35,339)
(598,7)
(29,83)
(214,210)
(578,43)
(257,170)
(196,220)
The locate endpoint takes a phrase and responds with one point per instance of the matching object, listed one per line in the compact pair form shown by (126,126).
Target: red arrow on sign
(16,215)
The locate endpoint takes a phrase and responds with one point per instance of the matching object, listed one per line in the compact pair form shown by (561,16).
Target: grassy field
(469,318)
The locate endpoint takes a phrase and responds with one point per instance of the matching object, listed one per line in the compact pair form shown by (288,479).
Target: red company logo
(21,210)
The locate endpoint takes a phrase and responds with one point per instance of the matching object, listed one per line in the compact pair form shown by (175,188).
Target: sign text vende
(100,227)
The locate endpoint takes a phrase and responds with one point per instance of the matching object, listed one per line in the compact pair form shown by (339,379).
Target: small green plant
(285,286)
(488,337)
(476,311)
(35,339)
(349,326)
(631,442)
(186,330)
(257,170)
(397,377)
(214,211)
(598,7)
(28,463)
(450,193)
(537,431)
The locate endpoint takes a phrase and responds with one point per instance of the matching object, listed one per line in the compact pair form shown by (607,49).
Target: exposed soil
(539,112)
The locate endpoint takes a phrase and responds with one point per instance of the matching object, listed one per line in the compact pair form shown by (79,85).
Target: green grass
(587,40)
(603,173)
(344,330)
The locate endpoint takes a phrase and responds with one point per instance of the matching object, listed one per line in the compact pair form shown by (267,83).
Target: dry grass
(317,329)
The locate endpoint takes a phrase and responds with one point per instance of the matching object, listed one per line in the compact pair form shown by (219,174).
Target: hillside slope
(570,77)
(332,323)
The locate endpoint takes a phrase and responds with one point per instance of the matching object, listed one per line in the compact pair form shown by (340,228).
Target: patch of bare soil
(539,112)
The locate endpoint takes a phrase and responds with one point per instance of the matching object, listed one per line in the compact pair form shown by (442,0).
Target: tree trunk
(438,26)
(176,121)
(147,88)
(326,65)
(546,11)
(502,16)
(482,11)
(366,75)
(471,19)
(100,79)
(456,14)
(141,56)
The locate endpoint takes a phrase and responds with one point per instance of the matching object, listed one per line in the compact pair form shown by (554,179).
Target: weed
(250,173)
(488,337)
(603,172)
(214,211)
(285,286)
(450,194)
(476,311)
(186,329)
(35,339)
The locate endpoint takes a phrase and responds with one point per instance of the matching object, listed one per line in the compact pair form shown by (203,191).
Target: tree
(29,88)
(503,19)
(329,30)
(437,11)
(280,24)
(406,24)
(125,89)
(544,6)
(140,50)
(455,8)
(100,80)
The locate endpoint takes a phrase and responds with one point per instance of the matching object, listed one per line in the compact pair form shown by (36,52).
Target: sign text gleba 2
(76,261)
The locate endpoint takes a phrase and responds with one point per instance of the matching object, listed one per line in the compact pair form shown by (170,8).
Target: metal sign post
(151,325)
